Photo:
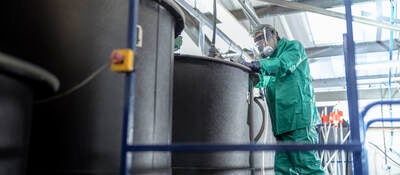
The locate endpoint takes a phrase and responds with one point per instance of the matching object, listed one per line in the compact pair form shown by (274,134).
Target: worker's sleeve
(285,63)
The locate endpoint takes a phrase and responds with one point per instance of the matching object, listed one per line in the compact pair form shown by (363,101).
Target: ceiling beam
(341,81)
(334,89)
(335,50)
(339,15)
(271,10)
(365,94)
(317,53)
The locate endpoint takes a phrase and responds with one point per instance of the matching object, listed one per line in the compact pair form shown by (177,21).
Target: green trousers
(296,162)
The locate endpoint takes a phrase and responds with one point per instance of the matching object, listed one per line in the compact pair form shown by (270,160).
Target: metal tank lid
(12,66)
(208,59)
(176,12)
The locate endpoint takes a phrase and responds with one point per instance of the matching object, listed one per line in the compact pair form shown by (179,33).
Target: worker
(285,74)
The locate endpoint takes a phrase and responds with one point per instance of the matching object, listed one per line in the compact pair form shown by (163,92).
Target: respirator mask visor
(262,47)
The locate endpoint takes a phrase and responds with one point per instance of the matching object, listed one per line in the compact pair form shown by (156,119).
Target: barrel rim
(204,58)
(14,66)
(176,12)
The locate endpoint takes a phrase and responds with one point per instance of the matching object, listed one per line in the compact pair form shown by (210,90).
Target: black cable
(76,87)
(377,147)
(261,131)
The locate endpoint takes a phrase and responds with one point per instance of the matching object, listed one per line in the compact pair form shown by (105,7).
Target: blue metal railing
(383,102)
(360,162)
(244,147)
(370,122)
(129,101)
(363,113)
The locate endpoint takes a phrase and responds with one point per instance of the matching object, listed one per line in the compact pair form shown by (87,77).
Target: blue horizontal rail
(370,122)
(244,147)
(382,102)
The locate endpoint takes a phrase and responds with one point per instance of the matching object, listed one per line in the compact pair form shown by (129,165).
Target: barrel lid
(12,66)
(176,12)
(185,57)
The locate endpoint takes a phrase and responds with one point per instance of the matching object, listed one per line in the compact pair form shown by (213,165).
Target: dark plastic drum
(210,106)
(19,82)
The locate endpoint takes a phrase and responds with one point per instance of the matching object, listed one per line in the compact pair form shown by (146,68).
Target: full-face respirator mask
(262,47)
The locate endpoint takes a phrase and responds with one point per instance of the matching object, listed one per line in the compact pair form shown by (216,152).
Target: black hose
(261,131)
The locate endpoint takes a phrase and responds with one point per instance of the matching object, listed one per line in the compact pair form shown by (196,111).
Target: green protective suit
(290,97)
(178,43)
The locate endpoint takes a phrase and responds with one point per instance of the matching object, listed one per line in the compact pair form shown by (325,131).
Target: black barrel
(18,83)
(210,106)
(79,131)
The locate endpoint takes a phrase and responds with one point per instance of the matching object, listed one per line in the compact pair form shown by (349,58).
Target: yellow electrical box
(122,60)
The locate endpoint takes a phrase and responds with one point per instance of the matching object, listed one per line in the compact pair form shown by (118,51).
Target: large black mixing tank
(210,106)
(79,132)
(19,82)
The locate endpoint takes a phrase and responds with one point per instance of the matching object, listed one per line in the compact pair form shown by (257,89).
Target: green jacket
(290,95)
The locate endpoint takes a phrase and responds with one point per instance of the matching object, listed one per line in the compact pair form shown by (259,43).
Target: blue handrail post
(129,100)
(360,161)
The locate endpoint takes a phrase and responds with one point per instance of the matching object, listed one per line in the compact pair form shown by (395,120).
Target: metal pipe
(325,140)
(204,20)
(252,23)
(342,153)
(214,22)
(335,155)
(212,51)
(336,151)
(309,8)
(326,137)
(250,12)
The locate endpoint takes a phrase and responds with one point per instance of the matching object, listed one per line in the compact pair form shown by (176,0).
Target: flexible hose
(261,131)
